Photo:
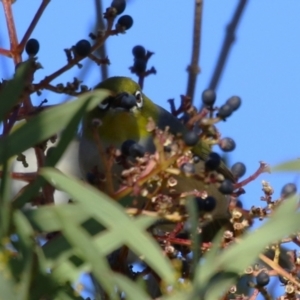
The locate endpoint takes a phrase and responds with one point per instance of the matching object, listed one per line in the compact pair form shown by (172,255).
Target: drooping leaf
(288,166)
(10,94)
(284,221)
(46,124)
(111,215)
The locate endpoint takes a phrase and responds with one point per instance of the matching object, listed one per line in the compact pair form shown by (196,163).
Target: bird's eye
(104,104)
(139,99)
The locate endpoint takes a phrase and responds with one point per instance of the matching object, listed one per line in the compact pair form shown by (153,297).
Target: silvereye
(124,117)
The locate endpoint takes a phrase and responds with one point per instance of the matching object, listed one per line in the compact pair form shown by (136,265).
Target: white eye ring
(104,104)
(139,99)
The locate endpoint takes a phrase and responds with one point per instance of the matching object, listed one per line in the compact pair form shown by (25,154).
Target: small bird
(124,117)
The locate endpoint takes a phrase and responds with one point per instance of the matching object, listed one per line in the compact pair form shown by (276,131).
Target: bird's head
(125,114)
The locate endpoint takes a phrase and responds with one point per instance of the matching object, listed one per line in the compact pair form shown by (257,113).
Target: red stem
(28,177)
(5,52)
(262,169)
(11,30)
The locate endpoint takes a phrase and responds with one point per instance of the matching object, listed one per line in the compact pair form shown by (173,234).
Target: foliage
(45,248)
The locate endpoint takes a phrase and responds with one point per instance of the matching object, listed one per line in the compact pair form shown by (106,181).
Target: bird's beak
(124,101)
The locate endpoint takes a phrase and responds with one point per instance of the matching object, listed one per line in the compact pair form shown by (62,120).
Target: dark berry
(213,161)
(234,102)
(283,279)
(140,65)
(188,168)
(32,47)
(208,204)
(83,48)
(262,278)
(119,5)
(288,189)
(125,148)
(137,150)
(225,111)
(208,97)
(190,138)
(226,187)
(227,144)
(133,149)
(125,21)
(139,51)
(238,170)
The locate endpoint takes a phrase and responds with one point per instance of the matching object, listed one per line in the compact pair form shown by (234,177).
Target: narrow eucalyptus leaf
(284,221)
(46,124)
(10,94)
(111,215)
(288,166)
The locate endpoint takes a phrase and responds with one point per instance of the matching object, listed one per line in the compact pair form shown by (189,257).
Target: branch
(5,52)
(100,25)
(32,25)
(228,41)
(11,30)
(77,59)
(193,69)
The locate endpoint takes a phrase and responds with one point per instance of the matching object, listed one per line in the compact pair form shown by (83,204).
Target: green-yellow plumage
(119,125)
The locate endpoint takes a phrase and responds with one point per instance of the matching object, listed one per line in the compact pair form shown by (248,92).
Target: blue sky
(263,66)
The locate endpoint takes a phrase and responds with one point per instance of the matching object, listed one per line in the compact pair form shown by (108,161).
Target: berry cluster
(153,181)
(140,60)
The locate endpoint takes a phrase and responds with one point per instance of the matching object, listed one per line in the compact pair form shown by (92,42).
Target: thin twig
(32,25)
(11,30)
(278,269)
(47,189)
(100,25)
(27,177)
(194,69)
(263,168)
(5,52)
(77,59)
(228,41)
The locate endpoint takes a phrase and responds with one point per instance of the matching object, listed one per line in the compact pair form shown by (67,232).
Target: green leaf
(58,251)
(45,219)
(111,215)
(204,270)
(131,289)
(5,201)
(218,284)
(71,119)
(80,239)
(284,221)
(46,124)
(10,95)
(26,240)
(7,284)
(288,166)
(193,218)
